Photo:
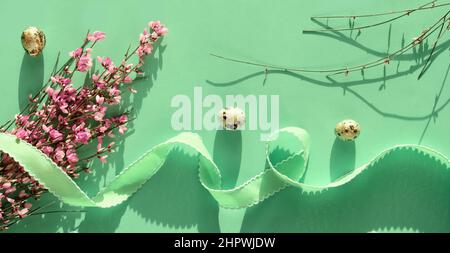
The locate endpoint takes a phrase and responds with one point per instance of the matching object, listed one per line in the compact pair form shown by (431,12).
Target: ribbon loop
(286,165)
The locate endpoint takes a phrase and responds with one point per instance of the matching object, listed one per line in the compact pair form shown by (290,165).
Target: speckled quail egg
(347,130)
(232,118)
(33,41)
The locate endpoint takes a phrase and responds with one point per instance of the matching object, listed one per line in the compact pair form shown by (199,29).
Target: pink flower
(98,116)
(127,79)
(84,63)
(123,119)
(22,133)
(105,62)
(143,38)
(103,158)
(6,185)
(55,135)
(100,143)
(159,28)
(46,128)
(102,129)
(83,136)
(10,190)
(59,154)
(96,36)
(22,212)
(60,80)
(47,150)
(77,53)
(50,91)
(122,129)
(23,194)
(22,120)
(95,77)
(144,49)
(99,99)
(72,156)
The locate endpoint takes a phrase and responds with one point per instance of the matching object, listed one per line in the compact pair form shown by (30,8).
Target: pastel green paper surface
(405,190)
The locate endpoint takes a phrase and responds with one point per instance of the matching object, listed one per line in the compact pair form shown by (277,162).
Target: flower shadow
(107,220)
(227,155)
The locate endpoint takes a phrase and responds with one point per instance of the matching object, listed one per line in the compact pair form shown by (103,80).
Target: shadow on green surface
(346,86)
(417,56)
(342,159)
(108,220)
(31,78)
(57,218)
(94,219)
(404,189)
(434,112)
(227,155)
(175,198)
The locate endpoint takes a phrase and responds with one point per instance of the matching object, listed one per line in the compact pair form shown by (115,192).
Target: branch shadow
(434,110)
(346,86)
(403,190)
(58,218)
(417,55)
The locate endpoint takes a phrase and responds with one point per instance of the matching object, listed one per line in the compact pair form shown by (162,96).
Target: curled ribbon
(276,177)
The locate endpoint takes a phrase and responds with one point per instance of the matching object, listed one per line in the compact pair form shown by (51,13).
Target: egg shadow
(227,155)
(31,78)
(342,158)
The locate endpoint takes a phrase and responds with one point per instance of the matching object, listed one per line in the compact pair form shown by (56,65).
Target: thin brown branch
(383,13)
(347,70)
(425,66)
(407,13)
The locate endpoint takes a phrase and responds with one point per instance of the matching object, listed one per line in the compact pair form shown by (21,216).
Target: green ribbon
(274,178)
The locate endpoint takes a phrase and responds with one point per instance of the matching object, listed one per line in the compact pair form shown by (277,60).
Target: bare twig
(359,28)
(425,67)
(383,13)
(347,70)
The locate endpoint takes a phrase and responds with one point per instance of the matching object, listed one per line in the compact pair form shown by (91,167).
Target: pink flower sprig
(64,117)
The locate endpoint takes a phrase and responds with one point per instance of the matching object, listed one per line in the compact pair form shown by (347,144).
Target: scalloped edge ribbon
(132,178)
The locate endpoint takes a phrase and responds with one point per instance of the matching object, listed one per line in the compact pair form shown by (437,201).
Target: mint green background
(391,106)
